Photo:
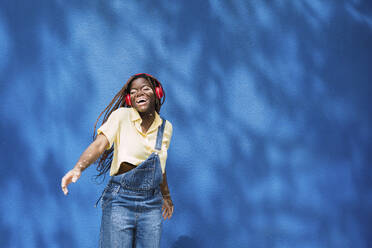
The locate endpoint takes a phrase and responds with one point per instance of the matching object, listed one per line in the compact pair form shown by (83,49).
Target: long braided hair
(104,162)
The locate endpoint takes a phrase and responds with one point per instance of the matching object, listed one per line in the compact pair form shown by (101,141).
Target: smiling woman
(137,194)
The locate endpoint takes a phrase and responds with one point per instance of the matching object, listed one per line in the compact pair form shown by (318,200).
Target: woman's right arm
(89,156)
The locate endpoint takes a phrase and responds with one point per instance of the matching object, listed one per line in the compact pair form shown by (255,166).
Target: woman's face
(142,96)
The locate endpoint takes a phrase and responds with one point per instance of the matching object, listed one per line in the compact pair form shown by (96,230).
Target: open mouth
(141,101)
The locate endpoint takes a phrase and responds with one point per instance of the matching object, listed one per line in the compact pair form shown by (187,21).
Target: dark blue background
(269,100)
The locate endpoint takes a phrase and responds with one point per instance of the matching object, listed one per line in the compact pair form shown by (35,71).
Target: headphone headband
(143,74)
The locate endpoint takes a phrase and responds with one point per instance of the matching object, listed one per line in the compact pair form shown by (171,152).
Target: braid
(104,162)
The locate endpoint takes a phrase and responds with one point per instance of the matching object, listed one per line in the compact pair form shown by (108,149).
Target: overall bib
(131,205)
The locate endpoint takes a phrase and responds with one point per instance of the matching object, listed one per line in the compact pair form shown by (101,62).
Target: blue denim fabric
(131,206)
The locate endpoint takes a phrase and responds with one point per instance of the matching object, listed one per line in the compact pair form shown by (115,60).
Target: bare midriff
(125,167)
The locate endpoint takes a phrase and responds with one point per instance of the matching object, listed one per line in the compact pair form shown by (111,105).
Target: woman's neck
(147,120)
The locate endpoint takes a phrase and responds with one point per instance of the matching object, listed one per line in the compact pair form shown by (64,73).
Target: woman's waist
(118,159)
(124,167)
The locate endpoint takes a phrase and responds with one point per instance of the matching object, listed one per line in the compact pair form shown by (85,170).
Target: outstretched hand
(167,208)
(71,177)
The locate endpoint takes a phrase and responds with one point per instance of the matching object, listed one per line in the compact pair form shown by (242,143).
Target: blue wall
(270,104)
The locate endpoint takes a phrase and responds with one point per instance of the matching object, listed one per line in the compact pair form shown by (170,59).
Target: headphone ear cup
(127,100)
(159,92)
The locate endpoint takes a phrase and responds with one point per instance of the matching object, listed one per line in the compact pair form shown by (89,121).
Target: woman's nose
(139,93)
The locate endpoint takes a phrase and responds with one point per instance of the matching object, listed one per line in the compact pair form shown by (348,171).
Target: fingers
(170,212)
(164,212)
(167,211)
(71,176)
(65,190)
(167,214)
(64,186)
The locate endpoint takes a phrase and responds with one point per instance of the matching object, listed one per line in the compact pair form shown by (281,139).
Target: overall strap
(159,138)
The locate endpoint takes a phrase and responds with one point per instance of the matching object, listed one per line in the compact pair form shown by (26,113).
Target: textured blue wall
(270,104)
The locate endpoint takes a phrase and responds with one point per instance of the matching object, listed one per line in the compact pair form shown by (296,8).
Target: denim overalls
(131,205)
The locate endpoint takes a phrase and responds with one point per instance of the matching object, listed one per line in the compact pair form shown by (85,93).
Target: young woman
(137,194)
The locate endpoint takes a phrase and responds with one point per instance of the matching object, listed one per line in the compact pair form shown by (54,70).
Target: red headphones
(158,88)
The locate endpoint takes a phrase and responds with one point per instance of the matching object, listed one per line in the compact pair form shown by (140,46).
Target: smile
(141,101)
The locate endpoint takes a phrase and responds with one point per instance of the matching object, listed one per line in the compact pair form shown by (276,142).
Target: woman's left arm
(168,206)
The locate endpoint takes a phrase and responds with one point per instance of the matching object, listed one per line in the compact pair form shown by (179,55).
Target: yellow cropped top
(123,129)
